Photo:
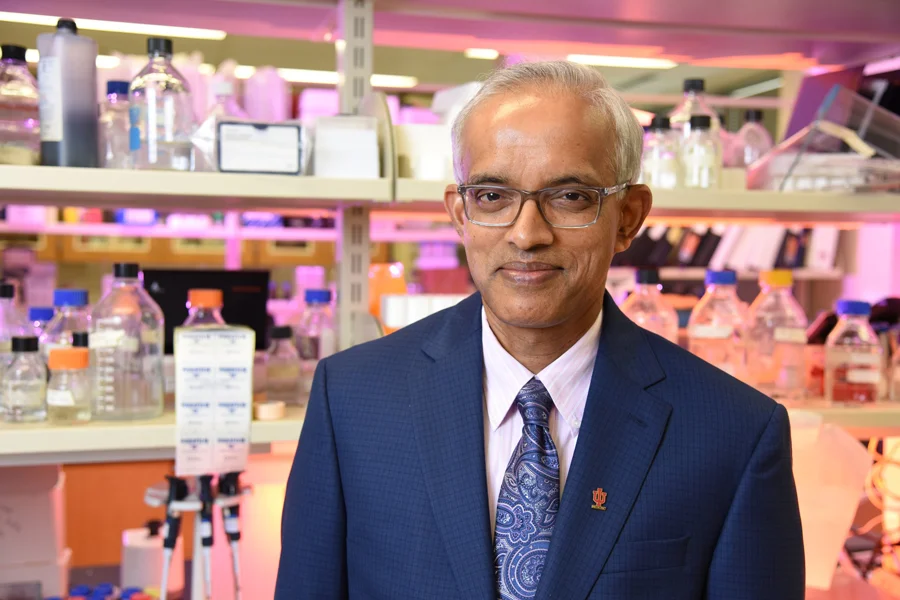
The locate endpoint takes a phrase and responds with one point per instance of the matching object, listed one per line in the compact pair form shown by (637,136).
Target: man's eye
(489,197)
(574,196)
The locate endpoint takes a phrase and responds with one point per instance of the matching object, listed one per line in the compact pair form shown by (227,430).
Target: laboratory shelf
(181,191)
(719,205)
(699,273)
(114,441)
(881,419)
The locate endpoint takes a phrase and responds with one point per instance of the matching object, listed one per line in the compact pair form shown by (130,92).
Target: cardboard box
(32,515)
(53,575)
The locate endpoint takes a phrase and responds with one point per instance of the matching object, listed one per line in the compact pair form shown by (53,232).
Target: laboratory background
(200,200)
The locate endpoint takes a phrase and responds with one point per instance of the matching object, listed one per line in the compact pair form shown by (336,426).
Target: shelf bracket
(354,47)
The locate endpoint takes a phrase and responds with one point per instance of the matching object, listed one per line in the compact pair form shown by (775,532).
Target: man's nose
(530,229)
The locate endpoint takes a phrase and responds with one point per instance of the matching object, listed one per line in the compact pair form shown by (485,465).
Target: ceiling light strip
(118,27)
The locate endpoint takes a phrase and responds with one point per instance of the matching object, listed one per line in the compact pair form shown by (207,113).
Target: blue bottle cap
(317,296)
(40,313)
(80,590)
(127,593)
(104,587)
(53,598)
(117,87)
(721,278)
(853,308)
(70,298)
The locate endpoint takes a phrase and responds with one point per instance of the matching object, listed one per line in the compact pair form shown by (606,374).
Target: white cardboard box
(53,575)
(32,515)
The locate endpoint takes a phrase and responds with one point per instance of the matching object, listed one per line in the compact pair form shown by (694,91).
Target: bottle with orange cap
(204,308)
(69,390)
(776,338)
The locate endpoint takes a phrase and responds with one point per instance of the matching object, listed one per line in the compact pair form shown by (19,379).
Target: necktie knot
(534,403)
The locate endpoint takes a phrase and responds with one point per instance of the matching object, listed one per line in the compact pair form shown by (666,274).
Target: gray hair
(566,77)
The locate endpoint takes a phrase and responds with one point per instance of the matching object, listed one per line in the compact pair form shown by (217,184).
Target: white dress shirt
(567,379)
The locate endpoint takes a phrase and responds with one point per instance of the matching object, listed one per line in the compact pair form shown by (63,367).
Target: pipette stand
(155,496)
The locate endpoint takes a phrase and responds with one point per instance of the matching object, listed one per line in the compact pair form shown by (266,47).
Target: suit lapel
(622,429)
(446,389)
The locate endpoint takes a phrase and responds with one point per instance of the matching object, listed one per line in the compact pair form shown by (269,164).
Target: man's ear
(453,202)
(634,208)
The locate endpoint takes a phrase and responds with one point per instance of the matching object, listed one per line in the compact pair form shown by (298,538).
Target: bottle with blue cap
(39,316)
(716,324)
(854,359)
(316,338)
(115,153)
(72,314)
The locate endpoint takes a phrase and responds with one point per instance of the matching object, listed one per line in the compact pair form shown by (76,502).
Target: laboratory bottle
(69,388)
(205,139)
(714,328)
(67,75)
(775,336)
(204,308)
(115,152)
(13,323)
(24,388)
(126,337)
(752,141)
(853,356)
(701,155)
(20,136)
(693,104)
(894,375)
(39,316)
(316,337)
(283,381)
(647,307)
(72,315)
(161,113)
(660,162)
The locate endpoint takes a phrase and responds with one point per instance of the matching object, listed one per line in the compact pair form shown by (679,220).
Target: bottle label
(60,398)
(863,376)
(790,335)
(232,525)
(862,359)
(206,529)
(51,113)
(711,332)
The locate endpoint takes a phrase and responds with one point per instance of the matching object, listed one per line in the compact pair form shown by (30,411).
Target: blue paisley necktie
(529,499)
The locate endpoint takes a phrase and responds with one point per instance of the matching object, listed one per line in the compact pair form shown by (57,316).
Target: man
(532,442)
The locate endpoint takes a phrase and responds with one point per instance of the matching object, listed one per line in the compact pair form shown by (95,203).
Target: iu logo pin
(599,499)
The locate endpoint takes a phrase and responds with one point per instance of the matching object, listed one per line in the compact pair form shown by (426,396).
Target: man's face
(529,273)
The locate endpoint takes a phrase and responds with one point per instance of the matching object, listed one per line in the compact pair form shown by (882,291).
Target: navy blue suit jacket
(387,496)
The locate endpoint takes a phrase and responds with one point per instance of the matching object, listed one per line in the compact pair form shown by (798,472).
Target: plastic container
(853,356)
(39,316)
(776,338)
(205,139)
(752,142)
(162,116)
(72,315)
(660,167)
(283,374)
(701,155)
(647,307)
(316,337)
(13,322)
(115,152)
(126,337)
(715,324)
(24,388)
(69,389)
(67,74)
(204,308)
(693,104)
(20,136)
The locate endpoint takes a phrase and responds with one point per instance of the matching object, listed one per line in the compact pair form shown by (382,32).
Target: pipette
(178,490)
(206,528)
(230,486)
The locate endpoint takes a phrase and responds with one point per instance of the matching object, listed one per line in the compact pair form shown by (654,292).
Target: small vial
(701,155)
(24,388)
(283,368)
(68,393)
(853,356)
(660,167)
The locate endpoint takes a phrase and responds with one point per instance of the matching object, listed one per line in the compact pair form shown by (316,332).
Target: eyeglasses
(570,207)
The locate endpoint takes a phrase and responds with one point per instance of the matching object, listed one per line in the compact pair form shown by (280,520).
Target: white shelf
(720,205)
(880,419)
(174,190)
(113,441)
(698,274)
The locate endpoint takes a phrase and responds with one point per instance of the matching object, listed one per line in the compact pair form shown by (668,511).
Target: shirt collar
(504,376)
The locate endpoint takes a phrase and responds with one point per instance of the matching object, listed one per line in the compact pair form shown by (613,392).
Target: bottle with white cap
(223,108)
